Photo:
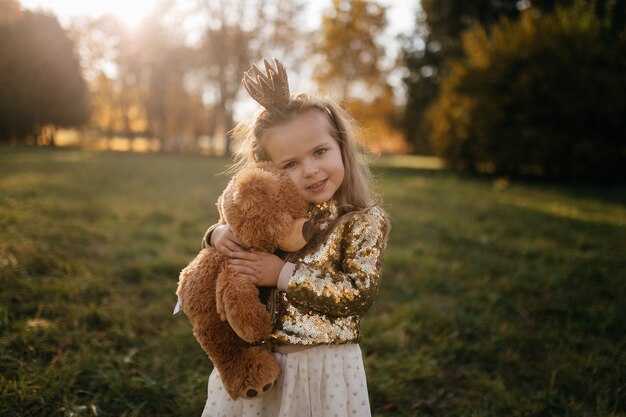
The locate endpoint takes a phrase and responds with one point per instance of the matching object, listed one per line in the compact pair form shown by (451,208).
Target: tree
(435,43)
(227,53)
(42,82)
(236,32)
(173,107)
(98,41)
(349,63)
(540,96)
(349,51)
(138,80)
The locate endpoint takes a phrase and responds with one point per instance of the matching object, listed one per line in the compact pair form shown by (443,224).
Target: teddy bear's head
(260,205)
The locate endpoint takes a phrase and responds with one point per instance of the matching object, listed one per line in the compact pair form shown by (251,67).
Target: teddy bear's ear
(253,187)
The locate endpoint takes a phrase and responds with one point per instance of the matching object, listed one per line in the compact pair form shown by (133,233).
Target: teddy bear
(263,209)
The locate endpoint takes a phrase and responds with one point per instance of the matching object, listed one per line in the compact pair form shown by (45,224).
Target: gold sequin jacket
(336,277)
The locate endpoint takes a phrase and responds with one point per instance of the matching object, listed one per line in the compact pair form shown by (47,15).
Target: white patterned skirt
(322,381)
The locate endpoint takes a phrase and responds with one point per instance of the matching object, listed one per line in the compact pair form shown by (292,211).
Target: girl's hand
(223,240)
(261,268)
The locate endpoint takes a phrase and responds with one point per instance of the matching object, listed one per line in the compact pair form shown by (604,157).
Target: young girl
(320,292)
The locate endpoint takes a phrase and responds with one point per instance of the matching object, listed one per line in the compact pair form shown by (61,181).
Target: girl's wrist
(285,275)
(207,241)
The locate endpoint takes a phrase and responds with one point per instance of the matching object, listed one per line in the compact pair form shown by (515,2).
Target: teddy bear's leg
(251,373)
(245,370)
(239,299)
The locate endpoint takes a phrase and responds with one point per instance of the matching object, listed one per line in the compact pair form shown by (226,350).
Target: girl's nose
(310,170)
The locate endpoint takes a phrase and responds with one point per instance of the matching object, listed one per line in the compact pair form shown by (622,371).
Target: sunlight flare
(130,13)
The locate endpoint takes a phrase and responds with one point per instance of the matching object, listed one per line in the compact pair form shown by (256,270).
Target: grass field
(498,299)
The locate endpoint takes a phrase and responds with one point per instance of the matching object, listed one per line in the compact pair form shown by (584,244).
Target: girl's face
(304,148)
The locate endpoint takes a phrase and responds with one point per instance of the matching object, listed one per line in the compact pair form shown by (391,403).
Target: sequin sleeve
(342,278)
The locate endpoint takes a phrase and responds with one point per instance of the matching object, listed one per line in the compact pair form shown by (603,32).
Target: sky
(401,13)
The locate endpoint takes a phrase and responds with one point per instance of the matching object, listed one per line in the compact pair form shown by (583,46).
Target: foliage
(40,77)
(349,50)
(350,67)
(378,124)
(498,299)
(541,96)
(436,41)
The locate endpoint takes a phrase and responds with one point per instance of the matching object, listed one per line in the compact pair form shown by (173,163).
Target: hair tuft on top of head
(270,88)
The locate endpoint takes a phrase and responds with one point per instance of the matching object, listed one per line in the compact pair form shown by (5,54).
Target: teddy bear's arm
(346,284)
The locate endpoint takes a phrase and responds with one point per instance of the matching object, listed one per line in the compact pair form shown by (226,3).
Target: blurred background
(497,132)
(509,87)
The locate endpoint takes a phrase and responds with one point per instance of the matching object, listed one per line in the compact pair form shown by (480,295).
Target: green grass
(497,299)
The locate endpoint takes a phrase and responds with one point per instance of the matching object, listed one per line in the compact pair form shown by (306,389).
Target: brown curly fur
(261,206)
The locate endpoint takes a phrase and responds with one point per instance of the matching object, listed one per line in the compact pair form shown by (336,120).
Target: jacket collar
(323,213)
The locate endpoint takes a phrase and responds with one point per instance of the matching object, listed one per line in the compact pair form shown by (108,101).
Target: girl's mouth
(318,186)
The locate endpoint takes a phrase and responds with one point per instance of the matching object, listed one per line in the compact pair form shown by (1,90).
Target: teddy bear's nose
(251,393)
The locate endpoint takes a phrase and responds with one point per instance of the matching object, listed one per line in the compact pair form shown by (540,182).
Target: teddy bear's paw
(261,371)
(253,392)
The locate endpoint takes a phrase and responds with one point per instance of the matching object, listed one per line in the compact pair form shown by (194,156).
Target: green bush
(540,96)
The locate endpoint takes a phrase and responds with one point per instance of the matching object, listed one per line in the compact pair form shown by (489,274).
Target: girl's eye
(319,152)
(289,165)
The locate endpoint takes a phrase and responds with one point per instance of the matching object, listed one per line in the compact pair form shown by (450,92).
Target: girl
(320,292)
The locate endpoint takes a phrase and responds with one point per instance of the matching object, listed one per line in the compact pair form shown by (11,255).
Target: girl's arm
(348,288)
(220,237)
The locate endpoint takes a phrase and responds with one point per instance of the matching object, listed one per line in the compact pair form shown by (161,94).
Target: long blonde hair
(355,192)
